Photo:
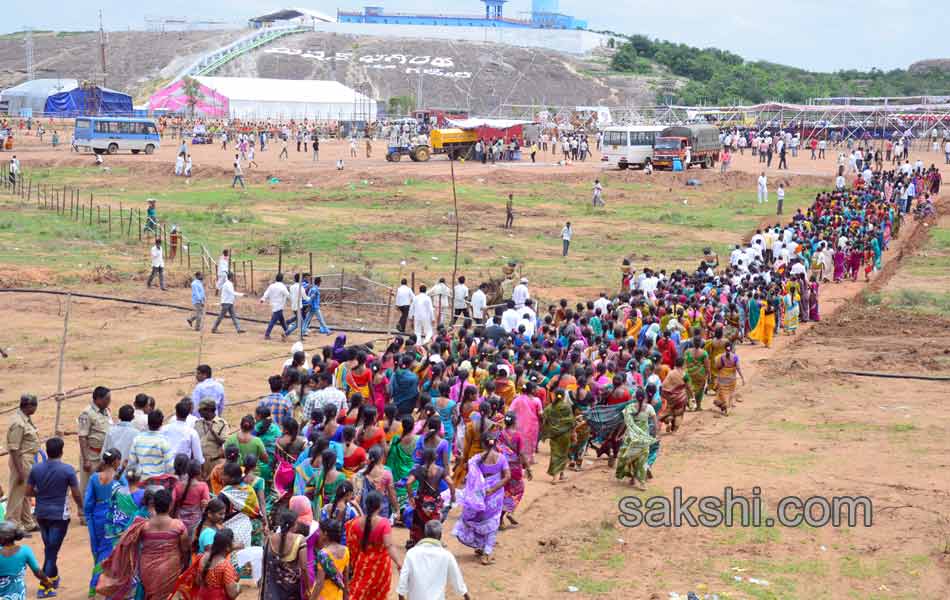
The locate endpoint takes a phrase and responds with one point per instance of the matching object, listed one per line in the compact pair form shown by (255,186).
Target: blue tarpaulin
(90,102)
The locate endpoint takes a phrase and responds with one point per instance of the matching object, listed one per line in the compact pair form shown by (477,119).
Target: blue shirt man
(197,301)
(404,388)
(313,297)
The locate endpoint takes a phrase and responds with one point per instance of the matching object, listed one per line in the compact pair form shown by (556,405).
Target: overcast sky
(817,34)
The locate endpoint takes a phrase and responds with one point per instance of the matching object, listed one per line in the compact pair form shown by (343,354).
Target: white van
(629,145)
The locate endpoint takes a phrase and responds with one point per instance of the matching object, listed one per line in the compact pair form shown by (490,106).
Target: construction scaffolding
(842,119)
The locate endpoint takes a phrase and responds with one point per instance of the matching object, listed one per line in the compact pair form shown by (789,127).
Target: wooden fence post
(128,232)
(90,208)
(62,358)
(29,190)
(252,276)
(311,264)
(140,223)
(280,260)
(109,213)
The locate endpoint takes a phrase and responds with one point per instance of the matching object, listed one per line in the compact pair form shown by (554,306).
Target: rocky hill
(135,60)
(479,77)
(923,66)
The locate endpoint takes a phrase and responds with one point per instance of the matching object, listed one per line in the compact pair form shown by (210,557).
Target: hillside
(475,76)
(721,77)
(133,58)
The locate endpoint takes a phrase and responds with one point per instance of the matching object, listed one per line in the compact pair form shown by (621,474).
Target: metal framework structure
(888,117)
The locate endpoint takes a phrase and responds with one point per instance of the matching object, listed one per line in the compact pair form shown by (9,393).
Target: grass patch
(920,301)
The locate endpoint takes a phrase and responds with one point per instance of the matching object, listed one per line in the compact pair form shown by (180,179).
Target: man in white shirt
(510,318)
(121,435)
(181,436)
(228,296)
(520,293)
(602,303)
(441,299)
(566,234)
(428,568)
(158,265)
(460,300)
(297,297)
(404,297)
(422,314)
(479,302)
(649,283)
(224,266)
(276,295)
(763,188)
(327,398)
(735,255)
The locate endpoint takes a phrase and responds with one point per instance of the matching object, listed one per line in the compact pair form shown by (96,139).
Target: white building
(29,98)
(256,98)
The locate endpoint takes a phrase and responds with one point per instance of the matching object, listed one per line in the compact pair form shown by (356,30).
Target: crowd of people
(302,497)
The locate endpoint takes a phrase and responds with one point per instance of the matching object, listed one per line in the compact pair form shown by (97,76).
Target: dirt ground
(802,429)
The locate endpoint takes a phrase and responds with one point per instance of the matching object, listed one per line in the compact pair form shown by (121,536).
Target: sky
(823,35)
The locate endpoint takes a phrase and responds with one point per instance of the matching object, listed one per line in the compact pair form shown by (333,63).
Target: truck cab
(668,149)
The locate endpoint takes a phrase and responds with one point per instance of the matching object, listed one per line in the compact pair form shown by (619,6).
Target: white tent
(29,98)
(252,98)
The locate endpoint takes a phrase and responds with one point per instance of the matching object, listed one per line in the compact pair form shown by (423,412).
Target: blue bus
(112,134)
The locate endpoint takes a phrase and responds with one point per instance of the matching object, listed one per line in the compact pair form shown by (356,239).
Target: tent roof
(293,13)
(283,90)
(41,87)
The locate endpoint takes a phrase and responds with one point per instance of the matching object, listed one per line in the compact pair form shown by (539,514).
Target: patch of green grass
(590,586)
(920,301)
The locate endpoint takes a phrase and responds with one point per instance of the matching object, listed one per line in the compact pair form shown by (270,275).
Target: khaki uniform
(94,424)
(212,435)
(23,437)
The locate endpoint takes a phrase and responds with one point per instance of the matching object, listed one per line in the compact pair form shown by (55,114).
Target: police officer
(94,424)
(23,442)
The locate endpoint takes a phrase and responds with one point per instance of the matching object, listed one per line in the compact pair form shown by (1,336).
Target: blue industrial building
(544,15)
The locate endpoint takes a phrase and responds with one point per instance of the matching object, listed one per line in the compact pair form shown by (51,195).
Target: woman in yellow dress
(765,329)
(332,561)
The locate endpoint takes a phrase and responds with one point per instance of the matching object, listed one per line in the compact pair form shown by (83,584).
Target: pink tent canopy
(173,99)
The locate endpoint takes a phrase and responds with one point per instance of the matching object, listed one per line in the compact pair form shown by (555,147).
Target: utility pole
(28,43)
(102,49)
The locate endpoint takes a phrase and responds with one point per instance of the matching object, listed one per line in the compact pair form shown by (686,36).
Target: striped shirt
(153,454)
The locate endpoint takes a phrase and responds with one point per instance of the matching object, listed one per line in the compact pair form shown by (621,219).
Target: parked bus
(113,134)
(629,145)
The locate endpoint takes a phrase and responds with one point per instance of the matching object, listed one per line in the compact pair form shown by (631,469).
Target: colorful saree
(558,422)
(635,450)
(481,513)
(511,446)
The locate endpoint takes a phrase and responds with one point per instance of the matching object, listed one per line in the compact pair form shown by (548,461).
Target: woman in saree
(369,539)
(431,438)
(285,562)
(855,257)
(96,504)
(244,514)
(426,501)
(697,364)
(839,260)
(580,440)
(557,425)
(726,388)
(126,503)
(247,442)
(331,564)
(375,477)
(765,329)
(370,434)
(472,446)
(677,391)
(290,445)
(359,377)
(467,407)
(527,409)
(163,549)
(635,450)
(482,499)
(232,454)
(446,407)
(191,496)
(354,456)
(267,432)
(792,307)
(343,507)
(215,575)
(877,252)
(814,287)
(320,484)
(400,460)
(732,331)
(14,559)
(511,444)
